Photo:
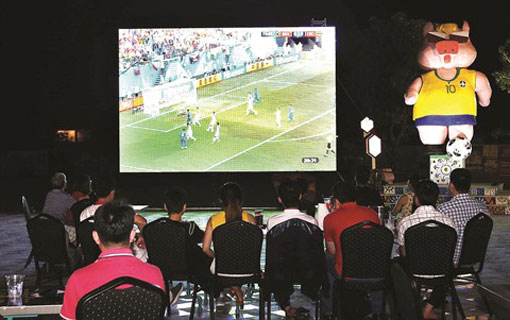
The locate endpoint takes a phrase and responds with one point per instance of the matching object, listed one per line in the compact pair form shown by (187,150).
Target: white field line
(301,84)
(269,139)
(137,168)
(217,95)
(304,138)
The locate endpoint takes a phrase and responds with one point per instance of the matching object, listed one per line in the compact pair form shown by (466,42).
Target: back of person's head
(82,183)
(362,175)
(461,180)
(175,199)
(290,192)
(413,181)
(427,192)
(58,180)
(103,185)
(231,200)
(344,192)
(113,222)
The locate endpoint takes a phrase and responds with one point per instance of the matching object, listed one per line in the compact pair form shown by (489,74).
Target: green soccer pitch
(247,143)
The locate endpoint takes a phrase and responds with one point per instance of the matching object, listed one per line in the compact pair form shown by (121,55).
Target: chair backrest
(77,208)
(237,247)
(294,250)
(406,294)
(167,247)
(135,299)
(26,208)
(48,237)
(429,249)
(89,247)
(366,251)
(476,239)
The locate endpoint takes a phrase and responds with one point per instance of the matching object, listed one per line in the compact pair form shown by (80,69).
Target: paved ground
(15,247)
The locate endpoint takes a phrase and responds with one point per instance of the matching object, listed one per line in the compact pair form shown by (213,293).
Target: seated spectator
(104,189)
(231,200)
(406,204)
(462,207)
(427,193)
(293,256)
(58,201)
(82,187)
(345,213)
(175,205)
(367,193)
(113,233)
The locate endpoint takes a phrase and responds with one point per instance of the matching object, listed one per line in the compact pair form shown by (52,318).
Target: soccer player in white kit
(278,117)
(250,105)
(189,133)
(196,119)
(212,123)
(217,133)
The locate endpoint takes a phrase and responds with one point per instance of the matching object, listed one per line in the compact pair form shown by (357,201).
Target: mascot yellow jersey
(446,98)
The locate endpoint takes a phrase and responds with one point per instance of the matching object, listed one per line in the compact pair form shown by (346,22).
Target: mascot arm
(483,89)
(411,95)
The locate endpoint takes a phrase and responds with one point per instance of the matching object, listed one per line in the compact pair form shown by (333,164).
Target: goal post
(168,94)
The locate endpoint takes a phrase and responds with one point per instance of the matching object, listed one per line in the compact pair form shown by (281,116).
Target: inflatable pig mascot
(444,98)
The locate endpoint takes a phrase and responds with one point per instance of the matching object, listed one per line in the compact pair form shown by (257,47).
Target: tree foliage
(503,76)
(379,74)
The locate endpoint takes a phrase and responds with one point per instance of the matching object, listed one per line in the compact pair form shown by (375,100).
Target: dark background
(60,71)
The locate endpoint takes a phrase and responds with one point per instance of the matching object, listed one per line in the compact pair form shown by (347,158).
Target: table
(45,302)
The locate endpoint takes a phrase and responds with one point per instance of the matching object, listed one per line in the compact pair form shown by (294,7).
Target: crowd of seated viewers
(118,235)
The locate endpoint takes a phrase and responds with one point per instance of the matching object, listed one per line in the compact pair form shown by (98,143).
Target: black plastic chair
(237,247)
(167,248)
(429,248)
(27,212)
(476,238)
(140,300)
(366,258)
(295,253)
(77,208)
(48,237)
(89,247)
(408,303)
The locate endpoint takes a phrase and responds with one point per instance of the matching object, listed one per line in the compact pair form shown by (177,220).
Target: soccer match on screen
(227,99)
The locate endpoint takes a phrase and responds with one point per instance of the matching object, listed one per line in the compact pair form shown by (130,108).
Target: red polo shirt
(347,215)
(110,265)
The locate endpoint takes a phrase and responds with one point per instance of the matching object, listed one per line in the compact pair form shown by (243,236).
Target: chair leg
(192,312)
(169,307)
(269,306)
(261,303)
(29,259)
(479,281)
(211,305)
(38,270)
(456,304)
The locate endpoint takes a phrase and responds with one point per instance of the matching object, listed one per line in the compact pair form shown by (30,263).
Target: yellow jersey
(219,219)
(440,97)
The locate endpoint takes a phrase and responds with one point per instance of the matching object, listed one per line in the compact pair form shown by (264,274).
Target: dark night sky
(61,62)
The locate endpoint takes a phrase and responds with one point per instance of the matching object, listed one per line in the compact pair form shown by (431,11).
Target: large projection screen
(227,99)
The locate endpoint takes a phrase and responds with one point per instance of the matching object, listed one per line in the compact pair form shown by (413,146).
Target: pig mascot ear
(465,26)
(429,26)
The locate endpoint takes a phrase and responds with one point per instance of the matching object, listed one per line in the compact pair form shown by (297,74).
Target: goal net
(169,94)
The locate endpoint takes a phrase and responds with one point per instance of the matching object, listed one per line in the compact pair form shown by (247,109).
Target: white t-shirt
(288,214)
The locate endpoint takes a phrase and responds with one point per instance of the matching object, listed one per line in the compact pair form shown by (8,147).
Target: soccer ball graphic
(459,148)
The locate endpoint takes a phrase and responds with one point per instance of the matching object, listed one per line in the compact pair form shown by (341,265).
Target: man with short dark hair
(345,214)
(113,233)
(426,195)
(104,188)
(290,229)
(462,207)
(175,204)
